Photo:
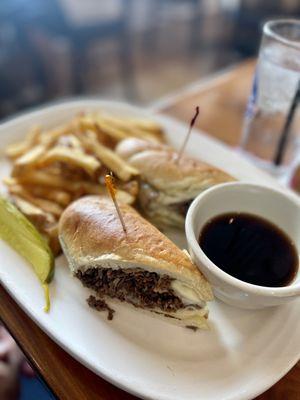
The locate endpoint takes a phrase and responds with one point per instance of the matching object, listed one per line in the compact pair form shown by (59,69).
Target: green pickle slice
(23,237)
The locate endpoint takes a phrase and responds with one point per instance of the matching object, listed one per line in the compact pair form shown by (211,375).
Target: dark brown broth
(251,249)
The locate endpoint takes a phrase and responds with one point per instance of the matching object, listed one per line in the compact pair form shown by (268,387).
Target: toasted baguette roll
(168,186)
(142,268)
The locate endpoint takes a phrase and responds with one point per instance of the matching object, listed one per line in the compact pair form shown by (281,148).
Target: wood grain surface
(222,101)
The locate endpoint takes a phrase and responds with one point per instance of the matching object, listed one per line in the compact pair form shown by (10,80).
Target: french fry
(71,156)
(18,190)
(46,205)
(95,188)
(109,158)
(36,215)
(135,132)
(125,197)
(43,221)
(52,230)
(49,137)
(16,150)
(145,124)
(58,196)
(131,187)
(91,188)
(9,181)
(28,159)
(51,234)
(44,178)
(99,126)
(133,127)
(31,156)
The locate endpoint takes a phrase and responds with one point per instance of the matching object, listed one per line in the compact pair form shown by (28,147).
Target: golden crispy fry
(124,197)
(131,187)
(90,188)
(121,195)
(44,178)
(58,196)
(36,215)
(51,234)
(43,221)
(17,189)
(140,128)
(53,230)
(9,181)
(28,159)
(71,156)
(99,126)
(16,150)
(49,137)
(46,205)
(31,156)
(145,124)
(109,158)
(85,188)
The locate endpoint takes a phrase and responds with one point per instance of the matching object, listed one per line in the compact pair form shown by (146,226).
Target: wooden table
(222,101)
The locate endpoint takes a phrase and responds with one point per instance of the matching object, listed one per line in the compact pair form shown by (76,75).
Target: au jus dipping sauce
(251,249)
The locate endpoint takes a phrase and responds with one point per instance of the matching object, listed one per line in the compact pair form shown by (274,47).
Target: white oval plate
(243,354)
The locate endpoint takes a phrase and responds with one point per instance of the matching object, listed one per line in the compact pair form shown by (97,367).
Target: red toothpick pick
(109,182)
(192,123)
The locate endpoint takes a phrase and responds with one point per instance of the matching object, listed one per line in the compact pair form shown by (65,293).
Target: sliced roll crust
(93,240)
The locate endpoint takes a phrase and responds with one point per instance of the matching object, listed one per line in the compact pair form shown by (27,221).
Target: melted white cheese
(187,294)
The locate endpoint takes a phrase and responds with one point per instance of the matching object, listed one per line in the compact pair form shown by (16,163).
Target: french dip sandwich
(141,267)
(168,187)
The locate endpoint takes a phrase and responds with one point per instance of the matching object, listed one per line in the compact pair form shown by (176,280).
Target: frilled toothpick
(192,123)
(109,182)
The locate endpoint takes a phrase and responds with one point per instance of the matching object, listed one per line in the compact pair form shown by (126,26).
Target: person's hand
(11,359)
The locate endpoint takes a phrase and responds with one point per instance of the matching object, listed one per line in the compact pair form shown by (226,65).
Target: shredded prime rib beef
(141,288)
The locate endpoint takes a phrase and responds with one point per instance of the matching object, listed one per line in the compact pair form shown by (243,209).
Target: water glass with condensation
(275,83)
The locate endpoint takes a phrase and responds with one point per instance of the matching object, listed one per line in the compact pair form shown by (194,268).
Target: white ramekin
(277,206)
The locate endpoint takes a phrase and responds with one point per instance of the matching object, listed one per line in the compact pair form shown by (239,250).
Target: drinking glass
(266,138)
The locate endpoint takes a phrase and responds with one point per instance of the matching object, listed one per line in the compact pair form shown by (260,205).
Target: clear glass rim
(268,31)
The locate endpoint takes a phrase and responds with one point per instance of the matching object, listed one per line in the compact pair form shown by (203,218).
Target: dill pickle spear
(23,237)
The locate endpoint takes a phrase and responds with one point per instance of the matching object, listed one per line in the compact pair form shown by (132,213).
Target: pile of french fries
(53,167)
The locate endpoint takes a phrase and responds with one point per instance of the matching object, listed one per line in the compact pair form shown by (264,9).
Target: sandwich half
(141,267)
(168,187)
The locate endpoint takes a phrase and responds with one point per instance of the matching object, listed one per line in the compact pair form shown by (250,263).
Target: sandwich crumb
(101,305)
(193,328)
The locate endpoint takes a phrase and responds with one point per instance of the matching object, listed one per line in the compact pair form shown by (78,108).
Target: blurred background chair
(191,10)
(88,22)
(137,50)
(49,42)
